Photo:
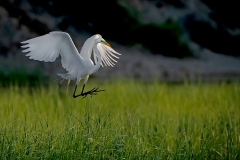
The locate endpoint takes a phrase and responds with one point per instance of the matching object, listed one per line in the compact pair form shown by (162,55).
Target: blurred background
(167,40)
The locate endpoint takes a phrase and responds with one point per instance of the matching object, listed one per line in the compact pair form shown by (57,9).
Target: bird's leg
(68,86)
(75,96)
(84,94)
(83,89)
(91,92)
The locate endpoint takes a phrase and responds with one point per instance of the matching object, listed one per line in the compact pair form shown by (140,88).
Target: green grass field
(130,120)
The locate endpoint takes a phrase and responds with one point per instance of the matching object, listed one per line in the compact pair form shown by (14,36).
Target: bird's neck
(98,63)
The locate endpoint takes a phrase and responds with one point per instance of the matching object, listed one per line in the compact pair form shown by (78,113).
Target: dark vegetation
(23,17)
(22,77)
(114,22)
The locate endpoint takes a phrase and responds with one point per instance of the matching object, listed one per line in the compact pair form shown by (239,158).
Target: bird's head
(101,40)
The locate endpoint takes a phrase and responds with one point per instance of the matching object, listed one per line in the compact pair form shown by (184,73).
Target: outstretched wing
(108,55)
(48,47)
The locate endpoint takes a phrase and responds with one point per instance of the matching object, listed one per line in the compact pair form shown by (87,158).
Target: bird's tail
(64,76)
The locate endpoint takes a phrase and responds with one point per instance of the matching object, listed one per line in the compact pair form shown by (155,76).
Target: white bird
(79,66)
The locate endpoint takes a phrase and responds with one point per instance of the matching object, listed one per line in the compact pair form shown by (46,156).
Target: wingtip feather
(24,42)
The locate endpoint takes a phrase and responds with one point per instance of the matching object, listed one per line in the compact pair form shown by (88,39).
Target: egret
(78,66)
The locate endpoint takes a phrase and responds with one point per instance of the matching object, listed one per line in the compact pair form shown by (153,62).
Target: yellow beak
(106,43)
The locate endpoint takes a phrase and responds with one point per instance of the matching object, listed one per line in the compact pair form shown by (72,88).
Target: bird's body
(79,66)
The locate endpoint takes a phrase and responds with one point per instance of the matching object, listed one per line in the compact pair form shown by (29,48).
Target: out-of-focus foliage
(22,77)
(114,22)
(226,13)
(164,39)
(109,19)
(23,18)
(212,24)
(217,39)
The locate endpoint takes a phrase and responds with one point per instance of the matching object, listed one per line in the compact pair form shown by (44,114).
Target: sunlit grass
(131,120)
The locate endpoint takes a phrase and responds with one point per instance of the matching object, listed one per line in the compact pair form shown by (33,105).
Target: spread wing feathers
(48,47)
(108,55)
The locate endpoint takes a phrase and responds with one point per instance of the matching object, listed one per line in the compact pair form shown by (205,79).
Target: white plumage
(79,66)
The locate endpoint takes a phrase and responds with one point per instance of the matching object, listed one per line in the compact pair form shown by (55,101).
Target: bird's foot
(92,92)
